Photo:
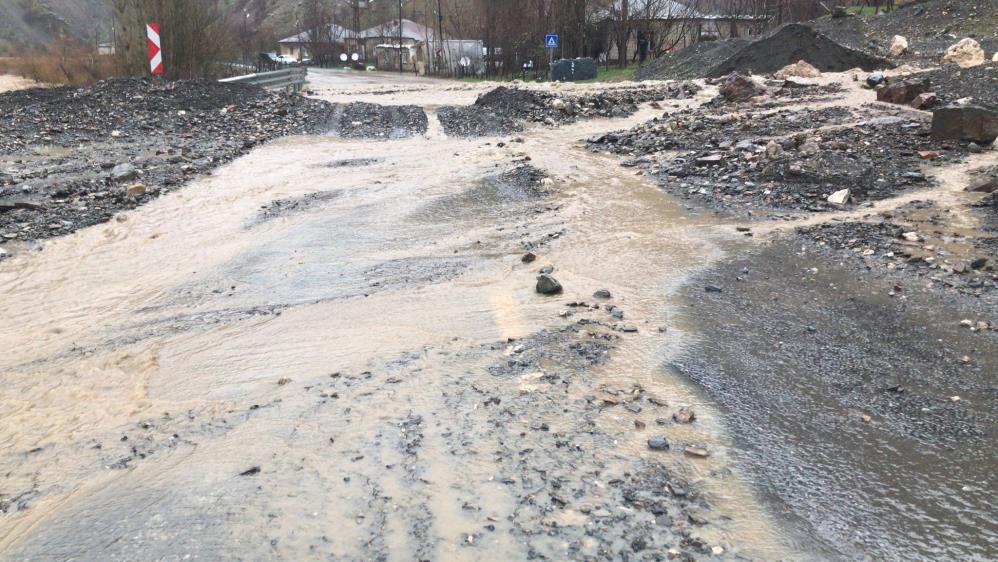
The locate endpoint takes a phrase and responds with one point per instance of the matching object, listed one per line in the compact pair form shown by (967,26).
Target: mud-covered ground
(863,403)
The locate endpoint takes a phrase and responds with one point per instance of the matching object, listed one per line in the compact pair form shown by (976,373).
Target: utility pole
(400,36)
(440,33)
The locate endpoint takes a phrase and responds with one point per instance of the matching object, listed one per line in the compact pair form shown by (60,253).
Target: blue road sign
(551,41)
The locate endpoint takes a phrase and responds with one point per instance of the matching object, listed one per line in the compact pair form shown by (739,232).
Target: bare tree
(195,36)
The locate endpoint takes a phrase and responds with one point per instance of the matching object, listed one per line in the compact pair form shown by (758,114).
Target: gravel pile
(767,54)
(508,110)
(373,121)
(751,162)
(691,129)
(950,83)
(71,158)
(795,42)
(691,62)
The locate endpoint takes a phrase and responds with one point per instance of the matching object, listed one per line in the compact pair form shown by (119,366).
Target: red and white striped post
(155,49)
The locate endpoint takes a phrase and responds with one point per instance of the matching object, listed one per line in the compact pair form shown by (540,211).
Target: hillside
(37,23)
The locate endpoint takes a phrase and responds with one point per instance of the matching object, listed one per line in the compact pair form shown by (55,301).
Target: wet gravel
(754,163)
(862,407)
(373,121)
(509,110)
(68,156)
(951,83)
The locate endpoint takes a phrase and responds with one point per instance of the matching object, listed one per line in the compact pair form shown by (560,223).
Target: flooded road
(332,349)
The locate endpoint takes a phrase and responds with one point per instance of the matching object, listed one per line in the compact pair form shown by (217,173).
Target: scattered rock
(987,184)
(124,172)
(136,190)
(712,289)
(875,79)
(694,451)
(899,46)
(547,285)
(773,150)
(737,88)
(965,53)
(528,257)
(684,415)
(904,92)
(840,197)
(252,471)
(924,101)
(658,443)
(602,294)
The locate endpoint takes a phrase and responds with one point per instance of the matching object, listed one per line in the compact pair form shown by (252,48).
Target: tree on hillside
(195,36)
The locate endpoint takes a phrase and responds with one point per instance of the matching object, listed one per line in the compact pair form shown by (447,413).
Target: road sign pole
(155,49)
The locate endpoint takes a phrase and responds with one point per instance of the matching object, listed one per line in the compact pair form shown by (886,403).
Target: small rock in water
(658,443)
(547,285)
(698,452)
(684,415)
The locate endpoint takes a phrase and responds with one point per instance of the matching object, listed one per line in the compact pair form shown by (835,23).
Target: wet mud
(863,406)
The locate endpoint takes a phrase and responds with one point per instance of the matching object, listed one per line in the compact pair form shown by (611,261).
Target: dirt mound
(690,62)
(930,26)
(792,43)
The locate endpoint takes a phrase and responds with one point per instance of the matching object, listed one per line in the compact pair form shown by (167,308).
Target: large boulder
(965,122)
(966,53)
(899,46)
(903,92)
(740,88)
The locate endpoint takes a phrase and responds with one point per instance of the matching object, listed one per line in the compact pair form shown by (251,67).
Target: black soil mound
(795,42)
(690,62)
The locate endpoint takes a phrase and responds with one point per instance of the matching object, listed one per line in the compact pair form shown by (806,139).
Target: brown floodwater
(201,379)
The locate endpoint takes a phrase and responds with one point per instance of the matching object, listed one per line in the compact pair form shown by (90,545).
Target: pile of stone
(122,142)
(507,110)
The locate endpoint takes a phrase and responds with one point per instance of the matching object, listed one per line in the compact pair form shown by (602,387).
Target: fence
(287,79)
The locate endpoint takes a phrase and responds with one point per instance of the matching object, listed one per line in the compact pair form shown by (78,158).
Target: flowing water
(205,377)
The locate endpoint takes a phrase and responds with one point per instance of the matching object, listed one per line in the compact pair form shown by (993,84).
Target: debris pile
(779,160)
(797,42)
(914,240)
(783,47)
(373,121)
(72,157)
(507,110)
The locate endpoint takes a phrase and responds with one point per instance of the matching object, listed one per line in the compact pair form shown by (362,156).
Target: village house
(661,26)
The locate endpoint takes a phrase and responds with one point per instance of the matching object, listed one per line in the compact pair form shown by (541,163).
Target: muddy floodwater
(332,349)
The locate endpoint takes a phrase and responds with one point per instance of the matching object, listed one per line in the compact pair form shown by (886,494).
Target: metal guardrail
(287,79)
